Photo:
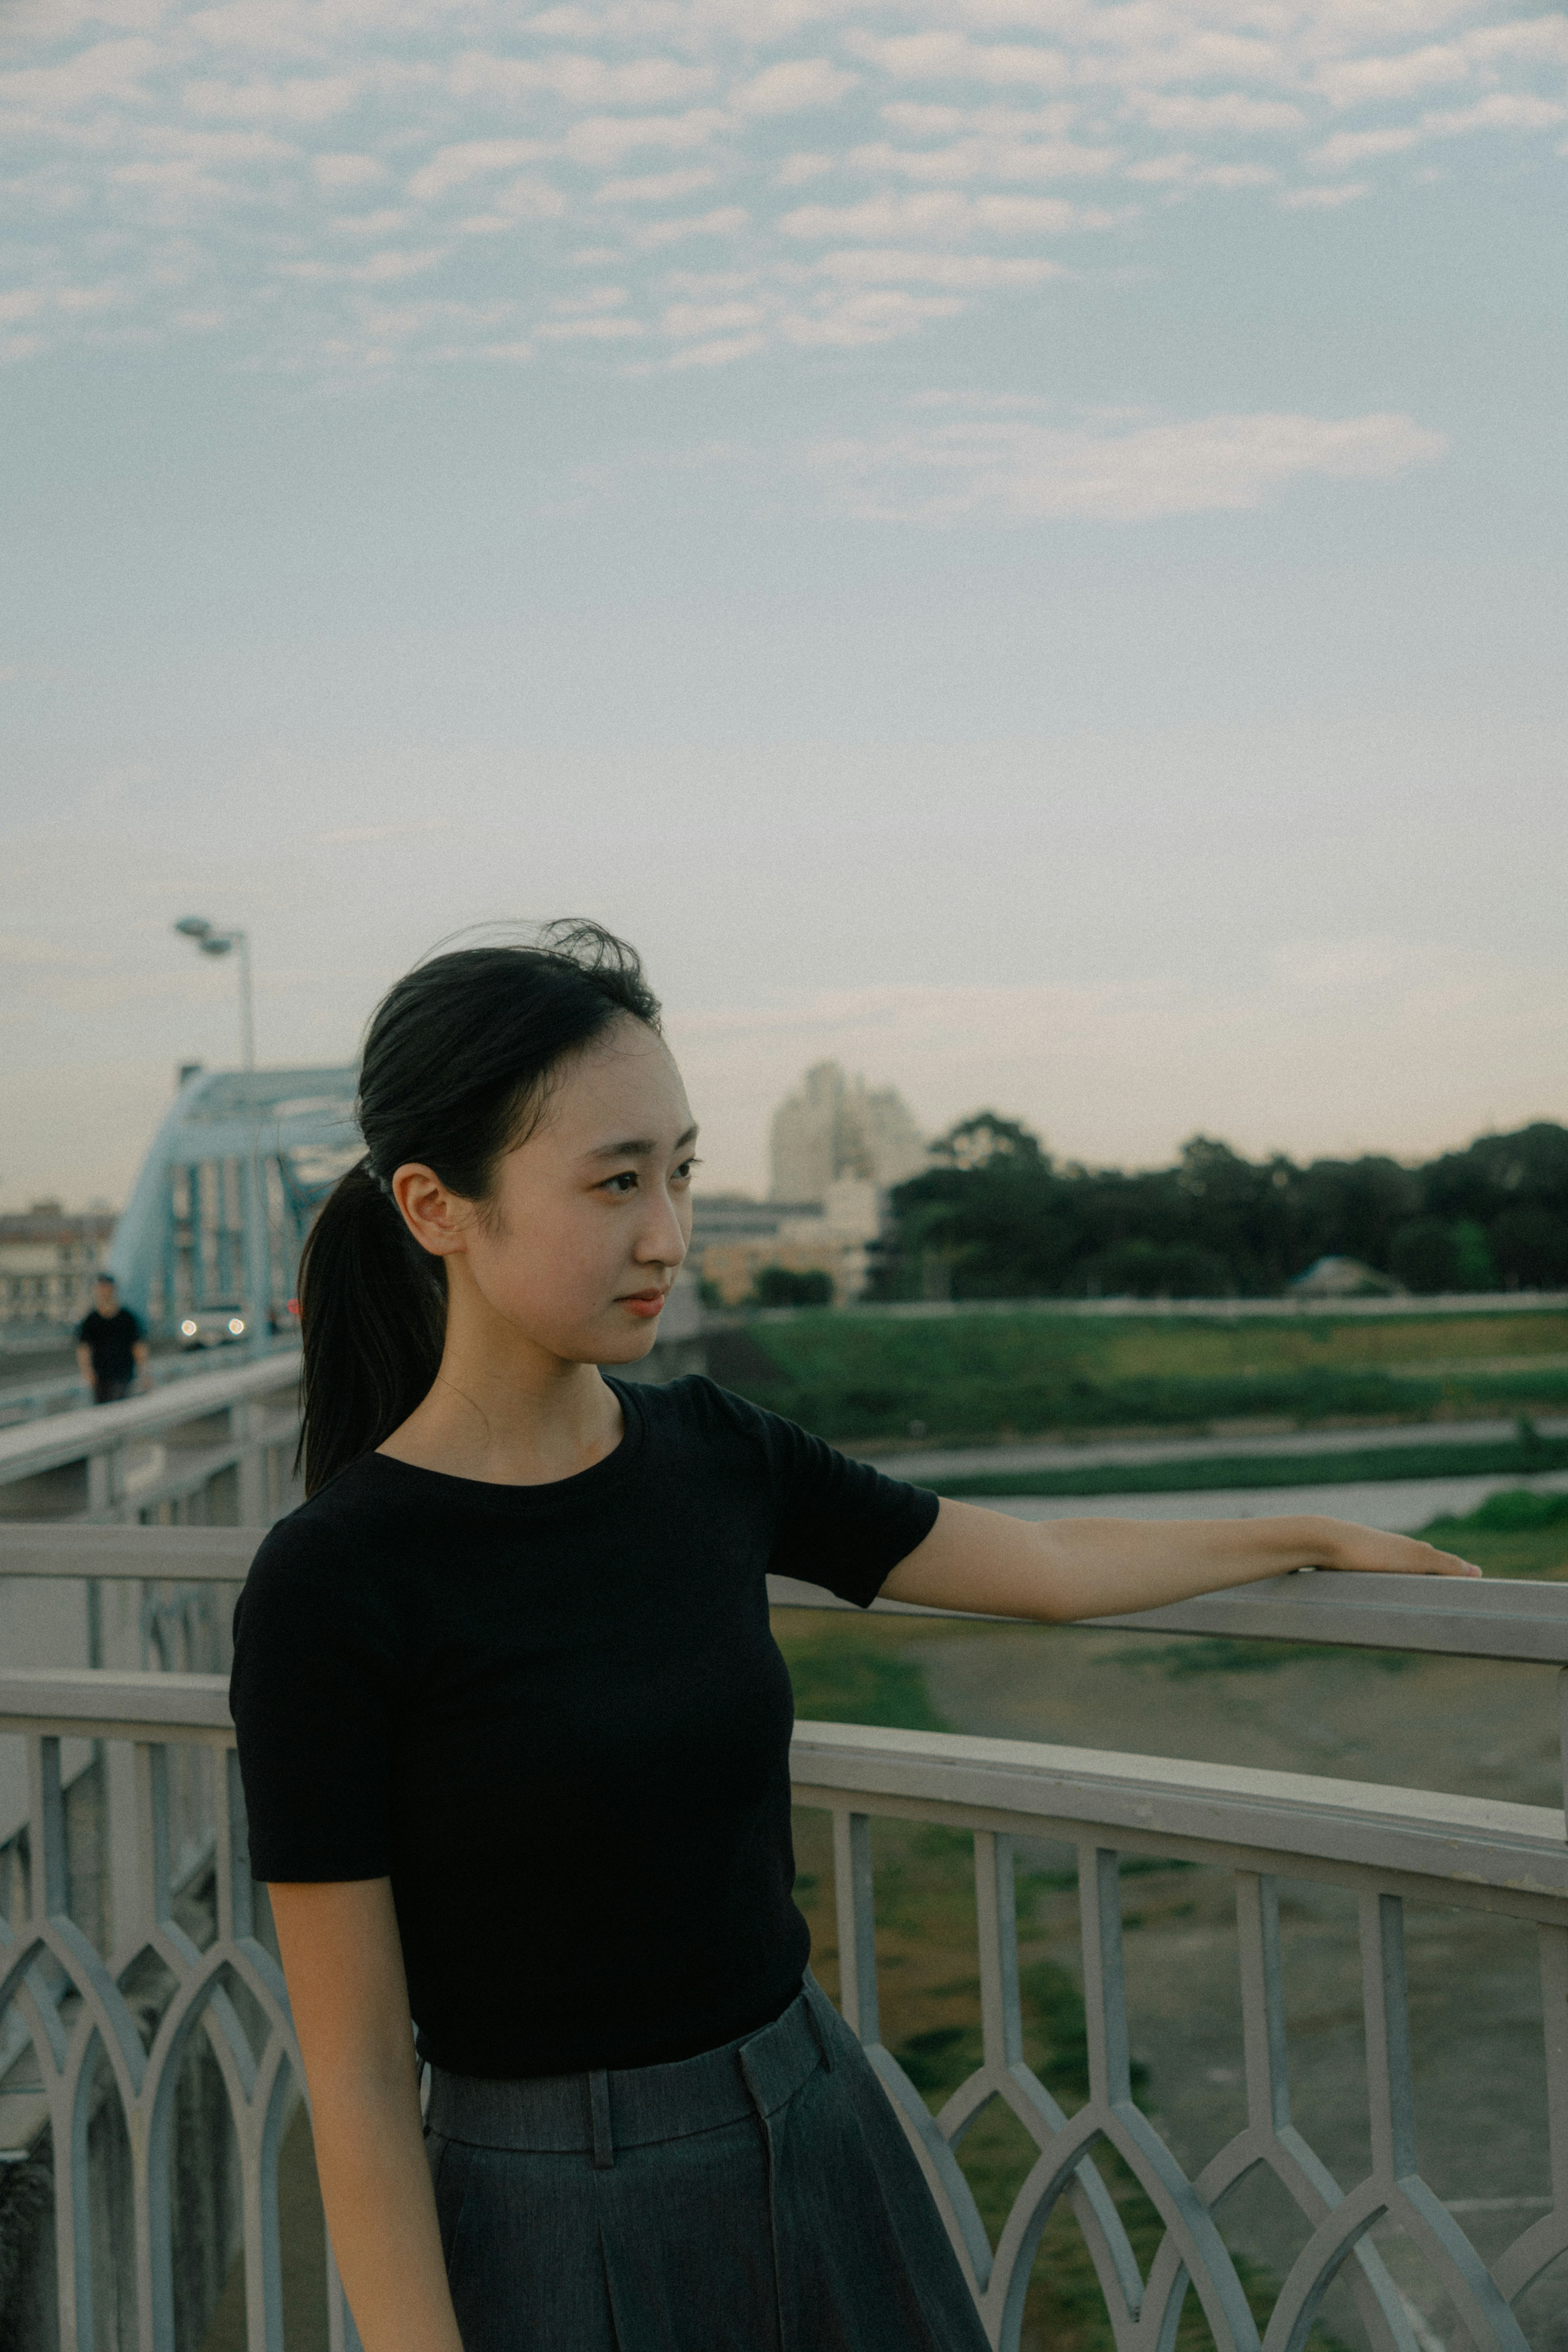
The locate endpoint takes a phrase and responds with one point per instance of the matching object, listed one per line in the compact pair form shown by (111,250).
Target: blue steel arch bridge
(224,1198)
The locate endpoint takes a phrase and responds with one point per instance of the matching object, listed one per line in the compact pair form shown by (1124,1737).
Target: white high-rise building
(834,1127)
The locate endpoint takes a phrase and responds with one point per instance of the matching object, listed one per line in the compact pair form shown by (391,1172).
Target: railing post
(99,1481)
(1105,1992)
(1387,2037)
(244,1417)
(997,1924)
(48,1891)
(855,1897)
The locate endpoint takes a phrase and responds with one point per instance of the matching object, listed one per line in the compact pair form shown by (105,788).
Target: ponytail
(456,1072)
(372,1313)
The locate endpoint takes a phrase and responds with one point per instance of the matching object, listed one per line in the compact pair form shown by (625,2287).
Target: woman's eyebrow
(638,1147)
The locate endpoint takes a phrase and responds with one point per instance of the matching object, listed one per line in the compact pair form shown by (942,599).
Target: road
(1400,1504)
(1050,1453)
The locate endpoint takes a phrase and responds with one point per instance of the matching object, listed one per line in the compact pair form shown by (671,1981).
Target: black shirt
(110,1339)
(555,1717)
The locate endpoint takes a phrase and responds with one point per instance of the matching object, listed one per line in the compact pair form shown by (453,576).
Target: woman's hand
(1369,1552)
(1063,1569)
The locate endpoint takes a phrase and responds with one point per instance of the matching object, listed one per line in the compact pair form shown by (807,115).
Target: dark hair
(456,1072)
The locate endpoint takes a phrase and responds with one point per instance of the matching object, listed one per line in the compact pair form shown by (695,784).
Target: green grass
(843,1672)
(866,1377)
(1373,1462)
(1512,1534)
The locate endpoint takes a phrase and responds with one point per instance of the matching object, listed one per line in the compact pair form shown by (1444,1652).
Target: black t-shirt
(555,1717)
(111,1341)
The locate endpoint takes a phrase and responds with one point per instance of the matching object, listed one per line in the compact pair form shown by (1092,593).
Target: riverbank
(866,1380)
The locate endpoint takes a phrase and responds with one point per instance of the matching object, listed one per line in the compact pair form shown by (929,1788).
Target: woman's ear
(435,1217)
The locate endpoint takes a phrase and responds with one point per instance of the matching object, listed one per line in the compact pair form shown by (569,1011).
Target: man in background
(110,1349)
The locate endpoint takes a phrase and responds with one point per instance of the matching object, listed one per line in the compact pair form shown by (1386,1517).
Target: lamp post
(257,1255)
(214,942)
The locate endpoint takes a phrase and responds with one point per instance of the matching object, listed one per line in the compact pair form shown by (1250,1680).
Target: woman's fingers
(1369,1551)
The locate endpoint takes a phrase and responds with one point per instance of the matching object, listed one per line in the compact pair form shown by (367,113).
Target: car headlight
(237,1324)
(188,1329)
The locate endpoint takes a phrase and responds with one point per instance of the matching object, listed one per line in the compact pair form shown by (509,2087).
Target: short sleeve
(314,1696)
(842,1524)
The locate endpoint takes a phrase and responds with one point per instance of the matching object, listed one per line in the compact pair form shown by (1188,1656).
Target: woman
(515,1734)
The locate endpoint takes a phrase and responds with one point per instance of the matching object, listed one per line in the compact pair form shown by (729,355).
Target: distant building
(1342,1277)
(49,1255)
(733,1238)
(833,1126)
(838,1145)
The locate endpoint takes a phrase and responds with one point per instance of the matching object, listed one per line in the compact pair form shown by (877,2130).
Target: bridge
(156,2188)
(225,1197)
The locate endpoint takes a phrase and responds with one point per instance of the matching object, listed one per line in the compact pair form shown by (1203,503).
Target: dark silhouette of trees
(994,1216)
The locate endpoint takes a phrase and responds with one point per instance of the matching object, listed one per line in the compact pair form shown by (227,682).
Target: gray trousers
(761,2197)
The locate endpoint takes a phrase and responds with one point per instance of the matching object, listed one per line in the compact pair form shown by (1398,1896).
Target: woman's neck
(510,1417)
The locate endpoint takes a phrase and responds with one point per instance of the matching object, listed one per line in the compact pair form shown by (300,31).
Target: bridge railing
(162,1453)
(187,1968)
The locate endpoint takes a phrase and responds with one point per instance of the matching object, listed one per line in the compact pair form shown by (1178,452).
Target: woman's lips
(644,1302)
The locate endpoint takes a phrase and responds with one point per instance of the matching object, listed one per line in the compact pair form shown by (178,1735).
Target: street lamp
(214,942)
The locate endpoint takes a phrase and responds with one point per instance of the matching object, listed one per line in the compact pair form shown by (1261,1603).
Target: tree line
(996,1217)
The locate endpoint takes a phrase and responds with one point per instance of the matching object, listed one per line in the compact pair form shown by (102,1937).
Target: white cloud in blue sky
(342,189)
(1018,542)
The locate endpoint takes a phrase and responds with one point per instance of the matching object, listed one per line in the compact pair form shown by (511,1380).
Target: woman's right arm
(344,1966)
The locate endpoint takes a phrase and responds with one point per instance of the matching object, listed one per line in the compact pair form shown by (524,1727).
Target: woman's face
(591,1217)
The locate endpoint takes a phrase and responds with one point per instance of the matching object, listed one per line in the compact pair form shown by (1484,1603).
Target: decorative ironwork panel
(1192,2255)
(76,2009)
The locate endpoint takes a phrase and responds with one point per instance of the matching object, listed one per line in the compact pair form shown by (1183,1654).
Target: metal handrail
(1508,1619)
(33,1447)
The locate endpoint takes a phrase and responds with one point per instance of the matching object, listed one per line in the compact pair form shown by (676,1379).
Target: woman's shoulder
(337,1548)
(696,1407)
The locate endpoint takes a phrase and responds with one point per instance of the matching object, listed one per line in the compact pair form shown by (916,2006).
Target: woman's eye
(623,1183)
(683,1174)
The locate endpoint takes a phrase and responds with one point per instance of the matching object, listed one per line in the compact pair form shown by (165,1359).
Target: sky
(1016,544)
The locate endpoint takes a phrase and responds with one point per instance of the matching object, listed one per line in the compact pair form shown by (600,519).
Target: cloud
(347,170)
(794,88)
(953,56)
(577,80)
(1322,200)
(454,167)
(303,100)
(943,128)
(875,316)
(967,460)
(974,273)
(985,159)
(724,220)
(720,353)
(683,320)
(1347,149)
(1502,111)
(888,218)
(1235,111)
(606,140)
(656,187)
(1384,80)
(377,269)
